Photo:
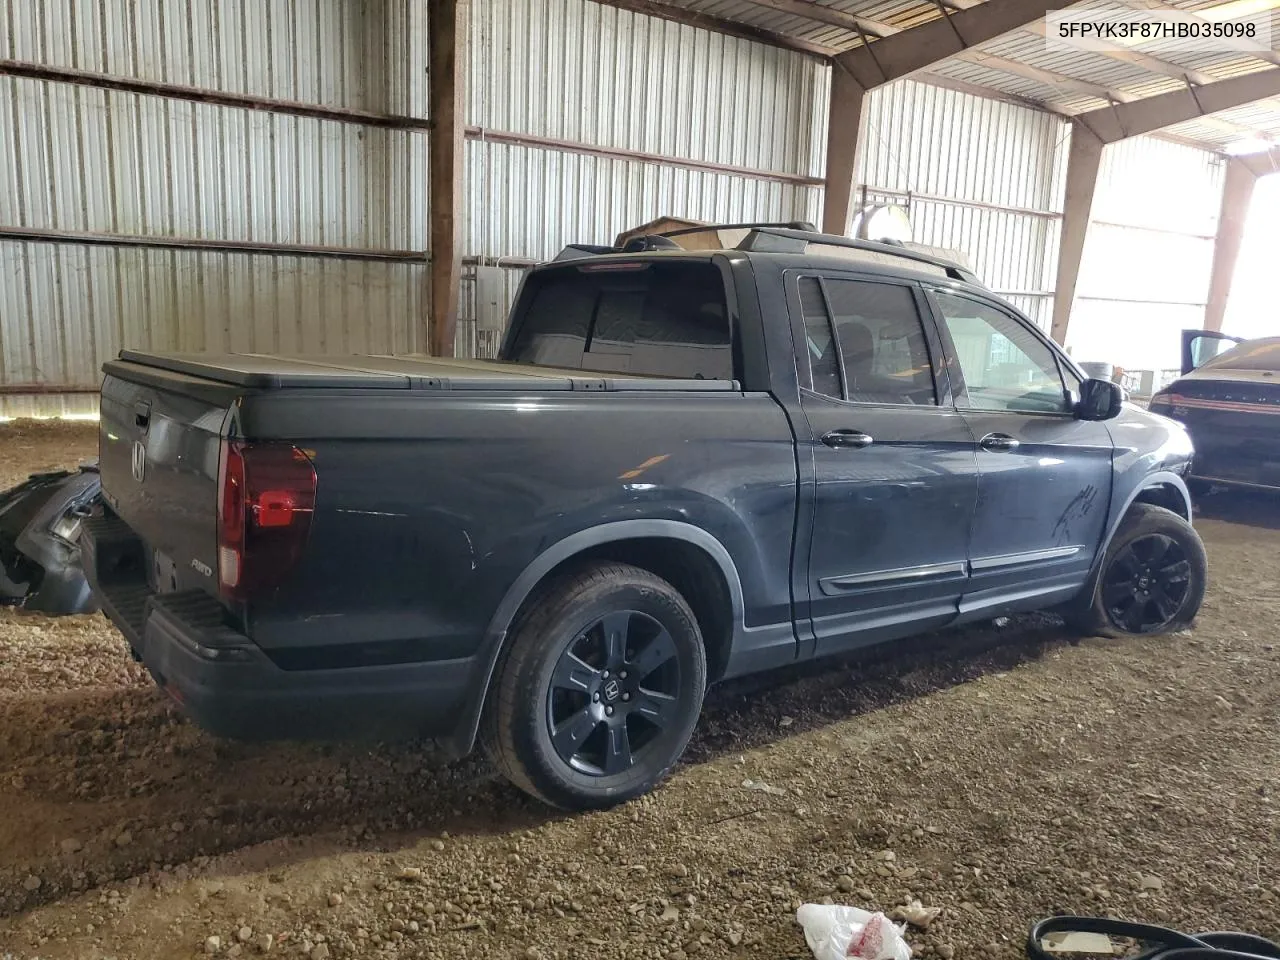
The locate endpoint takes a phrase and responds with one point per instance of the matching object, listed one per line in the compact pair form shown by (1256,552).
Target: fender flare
(1150,480)
(462,741)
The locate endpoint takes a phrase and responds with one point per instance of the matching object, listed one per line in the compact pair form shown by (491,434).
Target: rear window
(651,319)
(1250,355)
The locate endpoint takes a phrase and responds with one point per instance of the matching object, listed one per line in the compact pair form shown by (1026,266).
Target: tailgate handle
(142,414)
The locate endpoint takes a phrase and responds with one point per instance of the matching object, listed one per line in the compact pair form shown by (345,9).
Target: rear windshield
(1251,355)
(651,319)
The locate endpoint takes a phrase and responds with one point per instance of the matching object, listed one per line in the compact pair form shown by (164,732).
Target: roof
(1017,65)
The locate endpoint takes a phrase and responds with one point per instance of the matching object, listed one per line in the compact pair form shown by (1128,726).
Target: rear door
(894,463)
(1044,477)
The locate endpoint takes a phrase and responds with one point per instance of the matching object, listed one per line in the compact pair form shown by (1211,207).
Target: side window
(881,342)
(824,365)
(1005,365)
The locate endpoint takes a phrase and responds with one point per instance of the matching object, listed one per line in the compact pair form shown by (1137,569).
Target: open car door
(1200,346)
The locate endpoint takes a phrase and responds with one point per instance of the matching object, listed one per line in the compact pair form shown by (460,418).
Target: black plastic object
(1162,943)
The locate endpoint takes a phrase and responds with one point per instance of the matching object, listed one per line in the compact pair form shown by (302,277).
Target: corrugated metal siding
(931,140)
(77,158)
(65,308)
(529,202)
(80,158)
(1145,182)
(578,70)
(593,74)
(994,175)
(365,54)
(1145,271)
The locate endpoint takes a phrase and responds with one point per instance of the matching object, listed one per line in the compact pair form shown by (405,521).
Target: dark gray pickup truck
(688,464)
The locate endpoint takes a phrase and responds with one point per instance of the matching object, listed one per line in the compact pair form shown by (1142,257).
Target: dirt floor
(1000,774)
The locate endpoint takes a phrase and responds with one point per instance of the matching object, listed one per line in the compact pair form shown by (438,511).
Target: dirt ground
(1000,774)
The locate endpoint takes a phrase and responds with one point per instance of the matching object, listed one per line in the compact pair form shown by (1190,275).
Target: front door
(893,461)
(1044,477)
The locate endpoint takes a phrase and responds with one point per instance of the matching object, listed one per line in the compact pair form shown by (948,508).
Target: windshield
(653,318)
(1250,355)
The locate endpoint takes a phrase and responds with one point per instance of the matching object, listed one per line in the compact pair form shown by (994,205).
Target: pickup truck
(707,454)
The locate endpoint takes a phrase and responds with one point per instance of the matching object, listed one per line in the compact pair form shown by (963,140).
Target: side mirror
(1099,400)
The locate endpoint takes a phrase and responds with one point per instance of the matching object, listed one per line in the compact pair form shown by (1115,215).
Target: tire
(582,722)
(1151,581)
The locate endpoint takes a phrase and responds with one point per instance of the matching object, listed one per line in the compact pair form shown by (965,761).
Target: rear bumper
(229,686)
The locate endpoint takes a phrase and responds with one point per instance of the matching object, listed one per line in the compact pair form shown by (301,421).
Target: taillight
(266,496)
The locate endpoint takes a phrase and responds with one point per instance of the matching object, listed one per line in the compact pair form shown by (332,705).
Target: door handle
(847,438)
(999,443)
(142,415)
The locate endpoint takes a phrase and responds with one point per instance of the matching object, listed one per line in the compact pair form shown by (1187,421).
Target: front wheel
(599,690)
(1151,581)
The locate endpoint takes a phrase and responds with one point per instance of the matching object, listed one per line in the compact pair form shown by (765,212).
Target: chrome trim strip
(885,576)
(1016,559)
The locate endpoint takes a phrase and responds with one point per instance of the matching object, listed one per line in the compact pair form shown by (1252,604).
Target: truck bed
(253,371)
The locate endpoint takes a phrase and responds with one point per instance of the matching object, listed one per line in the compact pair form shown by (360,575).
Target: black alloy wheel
(1146,583)
(598,689)
(1151,579)
(614,689)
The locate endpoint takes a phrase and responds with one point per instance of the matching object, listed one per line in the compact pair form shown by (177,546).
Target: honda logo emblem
(139,460)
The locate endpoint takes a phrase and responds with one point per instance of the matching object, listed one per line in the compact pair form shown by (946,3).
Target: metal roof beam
(446,22)
(1260,164)
(1083,163)
(1237,190)
(1123,120)
(1268,56)
(732,28)
(891,58)
(1049,78)
(807,10)
(1163,68)
(865,26)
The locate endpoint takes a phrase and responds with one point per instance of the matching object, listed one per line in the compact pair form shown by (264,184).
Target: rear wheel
(599,690)
(1152,579)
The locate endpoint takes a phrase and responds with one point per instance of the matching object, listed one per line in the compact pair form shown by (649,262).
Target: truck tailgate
(159,445)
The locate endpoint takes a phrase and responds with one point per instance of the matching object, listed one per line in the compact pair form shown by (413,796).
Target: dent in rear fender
(464,737)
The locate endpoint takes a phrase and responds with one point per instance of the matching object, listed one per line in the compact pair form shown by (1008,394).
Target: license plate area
(164,573)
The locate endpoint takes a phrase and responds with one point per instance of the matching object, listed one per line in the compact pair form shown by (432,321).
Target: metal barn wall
(585,120)
(978,175)
(1148,253)
(82,166)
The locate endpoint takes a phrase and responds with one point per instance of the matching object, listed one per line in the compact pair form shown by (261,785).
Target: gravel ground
(998,774)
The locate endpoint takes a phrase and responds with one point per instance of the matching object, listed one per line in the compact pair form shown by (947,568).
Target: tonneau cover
(407,372)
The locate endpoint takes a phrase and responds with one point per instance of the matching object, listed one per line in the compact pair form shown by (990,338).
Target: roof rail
(789,225)
(791,237)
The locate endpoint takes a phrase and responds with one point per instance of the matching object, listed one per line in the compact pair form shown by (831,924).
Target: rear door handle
(847,438)
(999,443)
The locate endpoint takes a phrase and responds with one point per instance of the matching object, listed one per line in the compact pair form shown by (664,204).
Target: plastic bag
(838,932)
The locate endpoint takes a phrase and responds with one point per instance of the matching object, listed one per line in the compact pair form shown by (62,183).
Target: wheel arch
(692,556)
(1162,489)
